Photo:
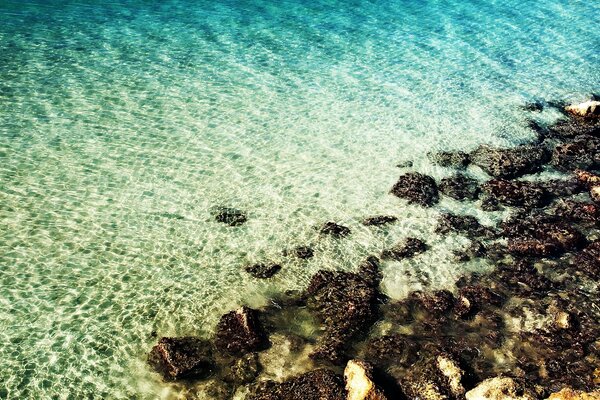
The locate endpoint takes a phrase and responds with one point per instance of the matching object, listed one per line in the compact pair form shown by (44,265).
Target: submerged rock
(321,384)
(455,159)
(588,260)
(359,382)
(582,153)
(181,357)
(577,211)
(516,193)
(243,370)
(417,189)
(240,332)
(407,248)
(466,224)
(474,298)
(335,230)
(460,187)
(262,270)
(588,109)
(379,220)
(230,216)
(392,350)
(510,163)
(304,252)
(499,388)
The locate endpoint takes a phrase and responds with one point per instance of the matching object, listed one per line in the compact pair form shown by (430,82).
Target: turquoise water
(122,125)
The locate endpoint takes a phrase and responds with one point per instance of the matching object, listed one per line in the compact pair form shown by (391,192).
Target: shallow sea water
(123,124)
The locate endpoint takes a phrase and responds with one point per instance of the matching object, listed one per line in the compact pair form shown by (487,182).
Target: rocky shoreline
(530,329)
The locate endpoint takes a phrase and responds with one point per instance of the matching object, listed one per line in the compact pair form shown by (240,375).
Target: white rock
(498,388)
(588,109)
(453,374)
(570,394)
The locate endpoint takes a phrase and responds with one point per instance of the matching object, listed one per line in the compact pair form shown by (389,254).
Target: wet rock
(437,303)
(561,187)
(244,370)
(407,248)
(230,216)
(516,193)
(240,332)
(452,373)
(577,211)
(345,303)
(423,381)
(321,384)
(304,252)
(379,220)
(369,271)
(588,260)
(582,153)
(335,230)
(574,127)
(405,164)
(460,187)
(474,298)
(570,394)
(499,388)
(534,106)
(475,249)
(388,350)
(417,189)
(262,270)
(587,178)
(466,224)
(181,358)
(522,278)
(359,382)
(588,109)
(454,159)
(510,163)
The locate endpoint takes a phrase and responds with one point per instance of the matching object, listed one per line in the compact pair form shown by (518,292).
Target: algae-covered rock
(407,248)
(359,382)
(181,357)
(379,220)
(240,332)
(460,187)
(321,384)
(230,216)
(452,372)
(510,163)
(499,388)
(417,189)
(516,193)
(455,159)
(263,270)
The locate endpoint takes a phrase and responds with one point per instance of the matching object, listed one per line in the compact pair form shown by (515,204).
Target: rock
(510,163)
(587,178)
(582,153)
(498,388)
(588,260)
(595,193)
(561,187)
(423,381)
(320,384)
(369,271)
(379,220)
(335,230)
(230,216)
(417,189)
(405,164)
(456,159)
(345,303)
(263,271)
(437,303)
(359,382)
(244,370)
(453,374)
(460,187)
(474,298)
(570,394)
(574,127)
(588,109)
(304,252)
(534,106)
(577,211)
(408,248)
(466,224)
(182,358)
(516,193)
(522,278)
(240,332)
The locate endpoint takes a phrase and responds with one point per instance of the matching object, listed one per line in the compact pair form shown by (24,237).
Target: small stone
(263,271)
(304,252)
(335,230)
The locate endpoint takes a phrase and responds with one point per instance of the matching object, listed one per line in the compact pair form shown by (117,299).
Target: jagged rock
(230,216)
(321,384)
(460,187)
(417,189)
(181,357)
(588,109)
(467,224)
(263,270)
(240,332)
(359,382)
(510,163)
(335,230)
(455,159)
(516,193)
(536,106)
(475,249)
(452,373)
(345,303)
(379,220)
(424,381)
(561,187)
(407,248)
(574,127)
(582,153)
(570,394)
(436,303)
(243,370)
(588,260)
(498,388)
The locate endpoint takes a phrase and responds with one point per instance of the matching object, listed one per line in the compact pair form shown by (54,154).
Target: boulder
(359,382)
(182,358)
(473,298)
(587,109)
(574,127)
(379,220)
(230,216)
(407,248)
(240,332)
(460,187)
(320,384)
(499,388)
(516,193)
(510,163)
(417,189)
(570,394)
(263,270)
(454,159)
(335,230)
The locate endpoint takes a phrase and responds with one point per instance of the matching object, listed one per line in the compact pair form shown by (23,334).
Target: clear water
(122,124)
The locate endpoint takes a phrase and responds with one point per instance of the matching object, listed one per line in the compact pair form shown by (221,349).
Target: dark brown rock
(230,216)
(516,193)
(466,224)
(182,358)
(263,270)
(460,187)
(407,248)
(335,230)
(417,189)
(240,332)
(321,384)
(454,159)
(510,163)
(379,220)
(581,153)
